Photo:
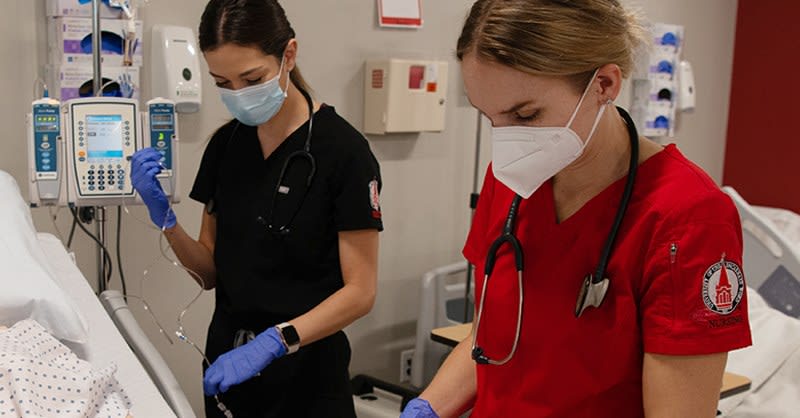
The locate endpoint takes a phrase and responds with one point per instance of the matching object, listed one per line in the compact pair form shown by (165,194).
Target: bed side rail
(151,359)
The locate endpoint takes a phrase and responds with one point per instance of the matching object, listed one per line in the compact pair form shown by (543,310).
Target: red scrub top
(677,288)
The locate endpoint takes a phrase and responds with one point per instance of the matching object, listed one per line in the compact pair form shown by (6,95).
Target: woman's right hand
(419,408)
(145,165)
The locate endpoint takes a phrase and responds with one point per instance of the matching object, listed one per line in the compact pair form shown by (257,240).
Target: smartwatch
(289,337)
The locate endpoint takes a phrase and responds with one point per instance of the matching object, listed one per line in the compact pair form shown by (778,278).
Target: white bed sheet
(772,363)
(106,344)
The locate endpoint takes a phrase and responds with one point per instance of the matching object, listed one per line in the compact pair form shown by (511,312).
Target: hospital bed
(772,268)
(136,359)
(441,305)
(107,345)
(771,255)
(441,299)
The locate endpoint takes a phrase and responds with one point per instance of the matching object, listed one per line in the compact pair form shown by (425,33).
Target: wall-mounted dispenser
(175,66)
(663,83)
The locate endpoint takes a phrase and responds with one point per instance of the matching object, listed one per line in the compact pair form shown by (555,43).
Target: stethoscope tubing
(508,237)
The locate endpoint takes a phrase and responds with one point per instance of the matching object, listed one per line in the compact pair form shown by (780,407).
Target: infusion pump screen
(47,123)
(104,137)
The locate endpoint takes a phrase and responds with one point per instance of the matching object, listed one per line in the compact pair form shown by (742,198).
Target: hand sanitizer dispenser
(176,67)
(687,99)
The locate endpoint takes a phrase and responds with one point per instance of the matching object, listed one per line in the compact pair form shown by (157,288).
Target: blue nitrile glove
(243,363)
(419,408)
(145,165)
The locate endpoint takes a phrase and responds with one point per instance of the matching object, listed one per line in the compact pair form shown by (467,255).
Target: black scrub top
(263,277)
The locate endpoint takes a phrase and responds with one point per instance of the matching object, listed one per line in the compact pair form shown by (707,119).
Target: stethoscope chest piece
(479,356)
(592,294)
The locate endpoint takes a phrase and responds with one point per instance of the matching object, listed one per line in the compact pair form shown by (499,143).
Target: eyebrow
(244,74)
(517,107)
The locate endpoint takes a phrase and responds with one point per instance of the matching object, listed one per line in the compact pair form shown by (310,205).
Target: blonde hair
(567,38)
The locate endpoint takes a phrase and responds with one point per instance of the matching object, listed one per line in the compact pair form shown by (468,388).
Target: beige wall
(427,177)
(22,49)
(710,35)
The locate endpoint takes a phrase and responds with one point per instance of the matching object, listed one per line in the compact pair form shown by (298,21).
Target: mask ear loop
(599,114)
(583,97)
(180,333)
(597,122)
(288,76)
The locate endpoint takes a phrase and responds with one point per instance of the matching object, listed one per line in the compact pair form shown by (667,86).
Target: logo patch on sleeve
(375,199)
(723,287)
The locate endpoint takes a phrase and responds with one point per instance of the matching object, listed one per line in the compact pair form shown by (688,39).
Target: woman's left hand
(419,408)
(243,363)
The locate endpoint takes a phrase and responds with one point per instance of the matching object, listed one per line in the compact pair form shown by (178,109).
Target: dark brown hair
(259,23)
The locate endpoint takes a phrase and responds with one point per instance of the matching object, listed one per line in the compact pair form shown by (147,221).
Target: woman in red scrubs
(613,283)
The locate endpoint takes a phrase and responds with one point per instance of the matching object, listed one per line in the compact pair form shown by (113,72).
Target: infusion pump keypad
(104,140)
(104,178)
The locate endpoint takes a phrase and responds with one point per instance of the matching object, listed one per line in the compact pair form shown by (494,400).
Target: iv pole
(97,85)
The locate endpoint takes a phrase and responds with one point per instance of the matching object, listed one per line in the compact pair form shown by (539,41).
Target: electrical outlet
(406,359)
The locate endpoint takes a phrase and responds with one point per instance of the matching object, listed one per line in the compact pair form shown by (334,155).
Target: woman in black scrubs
(289,237)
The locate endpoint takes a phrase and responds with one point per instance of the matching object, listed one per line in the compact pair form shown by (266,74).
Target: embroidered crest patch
(374,199)
(723,287)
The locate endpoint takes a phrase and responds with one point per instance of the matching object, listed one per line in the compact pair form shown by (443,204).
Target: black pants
(314,382)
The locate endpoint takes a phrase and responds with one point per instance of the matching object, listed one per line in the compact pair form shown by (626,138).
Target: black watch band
(289,336)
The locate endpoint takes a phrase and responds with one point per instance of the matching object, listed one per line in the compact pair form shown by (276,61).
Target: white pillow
(27,286)
(785,221)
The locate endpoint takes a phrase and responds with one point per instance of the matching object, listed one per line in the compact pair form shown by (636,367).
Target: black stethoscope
(281,188)
(595,286)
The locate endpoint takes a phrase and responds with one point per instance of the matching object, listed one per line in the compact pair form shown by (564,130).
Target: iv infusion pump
(79,152)
(101,138)
(160,125)
(44,153)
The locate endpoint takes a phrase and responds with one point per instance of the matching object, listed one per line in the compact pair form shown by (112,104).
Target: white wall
(427,178)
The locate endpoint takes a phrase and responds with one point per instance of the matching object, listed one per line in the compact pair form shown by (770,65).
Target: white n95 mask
(256,105)
(524,157)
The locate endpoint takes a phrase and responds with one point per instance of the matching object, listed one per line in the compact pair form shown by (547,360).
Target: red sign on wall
(400,13)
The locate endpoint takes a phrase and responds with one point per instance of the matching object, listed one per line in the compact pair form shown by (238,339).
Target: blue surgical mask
(256,105)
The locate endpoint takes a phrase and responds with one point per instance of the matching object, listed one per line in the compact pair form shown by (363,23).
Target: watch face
(290,335)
